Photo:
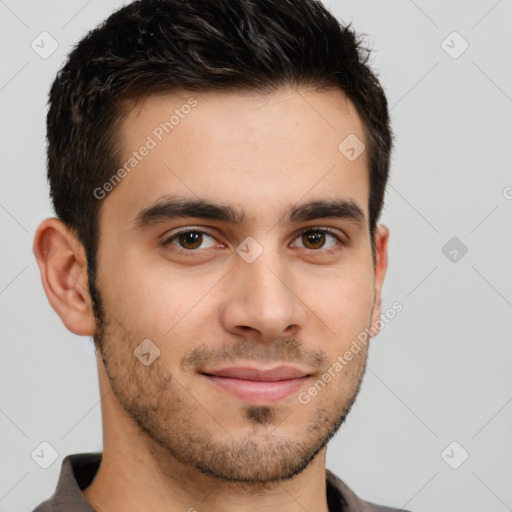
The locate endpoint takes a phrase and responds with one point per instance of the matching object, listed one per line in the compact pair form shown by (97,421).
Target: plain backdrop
(431,428)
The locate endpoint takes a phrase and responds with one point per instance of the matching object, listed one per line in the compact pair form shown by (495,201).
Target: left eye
(190,241)
(316,235)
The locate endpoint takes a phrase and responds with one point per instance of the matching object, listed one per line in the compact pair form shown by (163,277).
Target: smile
(258,387)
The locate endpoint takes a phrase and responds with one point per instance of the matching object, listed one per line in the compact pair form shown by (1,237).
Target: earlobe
(63,267)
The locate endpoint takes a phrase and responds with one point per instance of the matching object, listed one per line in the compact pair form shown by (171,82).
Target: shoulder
(350,501)
(46,506)
(77,472)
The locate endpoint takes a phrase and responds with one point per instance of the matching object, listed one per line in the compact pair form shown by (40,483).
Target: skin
(170,437)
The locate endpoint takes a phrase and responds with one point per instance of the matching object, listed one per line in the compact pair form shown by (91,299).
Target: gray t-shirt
(79,469)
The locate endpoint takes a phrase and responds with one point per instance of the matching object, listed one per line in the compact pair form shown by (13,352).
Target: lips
(258,386)
(245,373)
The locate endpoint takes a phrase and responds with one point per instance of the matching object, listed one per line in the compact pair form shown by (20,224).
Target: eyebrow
(172,207)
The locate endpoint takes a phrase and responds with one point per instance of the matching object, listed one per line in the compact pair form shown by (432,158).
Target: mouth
(258,386)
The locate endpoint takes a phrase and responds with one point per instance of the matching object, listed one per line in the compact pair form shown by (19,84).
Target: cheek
(347,302)
(154,300)
(133,295)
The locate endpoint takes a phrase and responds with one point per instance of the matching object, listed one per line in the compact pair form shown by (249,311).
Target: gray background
(438,372)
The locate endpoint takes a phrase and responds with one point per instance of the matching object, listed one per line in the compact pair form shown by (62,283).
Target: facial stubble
(180,429)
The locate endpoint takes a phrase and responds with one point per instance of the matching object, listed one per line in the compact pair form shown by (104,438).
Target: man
(218,169)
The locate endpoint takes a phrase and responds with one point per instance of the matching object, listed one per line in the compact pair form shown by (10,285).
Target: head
(194,149)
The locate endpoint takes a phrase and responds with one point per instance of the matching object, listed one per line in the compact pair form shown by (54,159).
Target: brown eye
(314,239)
(190,238)
(189,241)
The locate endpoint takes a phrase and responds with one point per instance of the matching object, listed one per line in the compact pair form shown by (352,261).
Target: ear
(381,266)
(63,267)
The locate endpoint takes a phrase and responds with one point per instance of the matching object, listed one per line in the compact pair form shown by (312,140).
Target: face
(237,246)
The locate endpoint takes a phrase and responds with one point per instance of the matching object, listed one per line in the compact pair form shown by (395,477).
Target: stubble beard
(167,416)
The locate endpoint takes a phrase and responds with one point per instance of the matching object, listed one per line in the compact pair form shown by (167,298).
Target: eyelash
(191,252)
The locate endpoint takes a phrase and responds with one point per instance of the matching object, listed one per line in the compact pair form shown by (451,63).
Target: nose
(263,303)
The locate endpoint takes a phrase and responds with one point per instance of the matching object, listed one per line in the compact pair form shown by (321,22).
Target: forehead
(256,152)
